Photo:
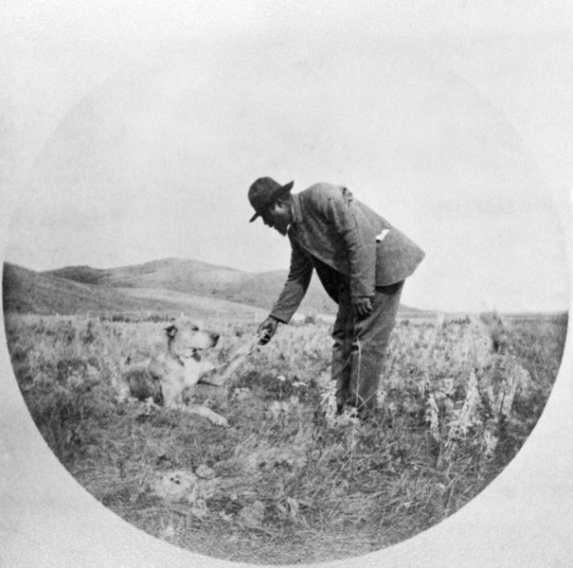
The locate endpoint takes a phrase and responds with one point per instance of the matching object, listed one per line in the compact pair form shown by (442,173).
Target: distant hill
(164,285)
(27,291)
(263,290)
(200,279)
(188,276)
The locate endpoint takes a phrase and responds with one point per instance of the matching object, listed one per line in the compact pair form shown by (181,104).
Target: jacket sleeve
(296,285)
(357,240)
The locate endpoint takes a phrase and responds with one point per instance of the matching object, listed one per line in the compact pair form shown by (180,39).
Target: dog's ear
(171,331)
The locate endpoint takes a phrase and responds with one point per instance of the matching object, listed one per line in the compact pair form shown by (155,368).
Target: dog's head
(185,340)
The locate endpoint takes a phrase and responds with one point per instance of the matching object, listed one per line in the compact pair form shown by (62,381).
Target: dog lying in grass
(170,375)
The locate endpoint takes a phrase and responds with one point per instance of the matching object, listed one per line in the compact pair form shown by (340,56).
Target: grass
(292,482)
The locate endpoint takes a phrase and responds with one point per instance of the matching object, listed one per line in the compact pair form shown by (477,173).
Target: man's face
(278,216)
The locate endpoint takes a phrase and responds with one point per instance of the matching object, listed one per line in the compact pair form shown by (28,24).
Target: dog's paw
(219,420)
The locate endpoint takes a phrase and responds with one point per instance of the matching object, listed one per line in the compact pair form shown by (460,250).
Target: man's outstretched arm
(293,292)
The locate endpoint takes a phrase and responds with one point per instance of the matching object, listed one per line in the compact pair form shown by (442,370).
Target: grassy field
(289,481)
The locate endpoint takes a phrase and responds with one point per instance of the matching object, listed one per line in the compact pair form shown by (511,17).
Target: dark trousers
(360,346)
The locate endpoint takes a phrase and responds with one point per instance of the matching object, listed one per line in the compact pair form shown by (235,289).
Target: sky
(137,137)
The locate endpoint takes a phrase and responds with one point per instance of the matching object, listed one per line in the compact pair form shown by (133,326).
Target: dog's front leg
(193,370)
(221,374)
(205,412)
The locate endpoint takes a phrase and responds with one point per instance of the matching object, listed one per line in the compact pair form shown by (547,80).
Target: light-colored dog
(168,376)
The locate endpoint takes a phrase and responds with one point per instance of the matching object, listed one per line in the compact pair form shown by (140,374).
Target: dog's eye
(194,328)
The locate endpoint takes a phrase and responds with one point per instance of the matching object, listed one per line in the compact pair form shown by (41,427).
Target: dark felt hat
(264,192)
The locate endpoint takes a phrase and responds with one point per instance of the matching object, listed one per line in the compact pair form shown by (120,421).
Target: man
(362,262)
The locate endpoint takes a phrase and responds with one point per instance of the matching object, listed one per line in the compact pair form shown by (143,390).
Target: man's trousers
(360,345)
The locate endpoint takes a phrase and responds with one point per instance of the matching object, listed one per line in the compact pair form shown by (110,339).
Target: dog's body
(171,375)
(168,376)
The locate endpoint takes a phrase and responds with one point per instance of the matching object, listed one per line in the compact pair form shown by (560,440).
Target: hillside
(164,285)
(27,291)
(200,279)
(187,276)
(196,306)
(263,290)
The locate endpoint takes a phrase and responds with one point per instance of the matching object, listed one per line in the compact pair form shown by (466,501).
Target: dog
(171,375)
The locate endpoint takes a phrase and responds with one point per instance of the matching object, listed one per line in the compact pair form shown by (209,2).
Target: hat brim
(276,195)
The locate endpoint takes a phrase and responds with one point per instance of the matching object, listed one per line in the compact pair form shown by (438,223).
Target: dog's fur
(169,375)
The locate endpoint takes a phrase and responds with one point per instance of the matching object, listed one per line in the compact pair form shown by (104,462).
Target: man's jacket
(333,230)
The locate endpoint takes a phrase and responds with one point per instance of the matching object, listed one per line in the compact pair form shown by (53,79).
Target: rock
(176,486)
(181,486)
(252,515)
(204,472)
(281,459)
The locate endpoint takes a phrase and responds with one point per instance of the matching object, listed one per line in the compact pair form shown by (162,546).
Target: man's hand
(361,306)
(267,329)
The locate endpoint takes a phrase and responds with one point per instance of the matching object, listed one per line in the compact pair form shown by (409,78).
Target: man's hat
(264,192)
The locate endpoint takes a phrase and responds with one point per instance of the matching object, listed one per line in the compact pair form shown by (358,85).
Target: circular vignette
(84,142)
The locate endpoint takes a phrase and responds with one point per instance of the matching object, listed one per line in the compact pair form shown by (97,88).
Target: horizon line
(459,313)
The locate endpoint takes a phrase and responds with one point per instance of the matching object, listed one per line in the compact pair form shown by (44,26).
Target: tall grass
(293,482)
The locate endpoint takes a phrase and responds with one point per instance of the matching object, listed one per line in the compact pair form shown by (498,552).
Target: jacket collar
(296,217)
(297,213)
